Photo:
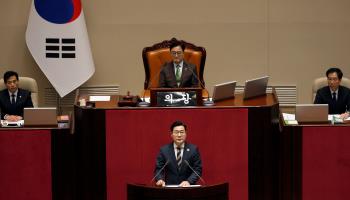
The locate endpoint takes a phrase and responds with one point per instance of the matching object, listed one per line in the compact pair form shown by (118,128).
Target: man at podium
(178,163)
(178,73)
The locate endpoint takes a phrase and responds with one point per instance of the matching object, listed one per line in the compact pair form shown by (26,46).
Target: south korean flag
(58,41)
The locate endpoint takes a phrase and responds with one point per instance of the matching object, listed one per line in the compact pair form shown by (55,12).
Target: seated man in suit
(178,73)
(175,160)
(336,96)
(13,99)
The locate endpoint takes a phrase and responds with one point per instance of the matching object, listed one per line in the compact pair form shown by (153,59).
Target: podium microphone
(188,164)
(161,169)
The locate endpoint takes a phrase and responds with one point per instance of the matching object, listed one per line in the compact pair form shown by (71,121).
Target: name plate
(176,97)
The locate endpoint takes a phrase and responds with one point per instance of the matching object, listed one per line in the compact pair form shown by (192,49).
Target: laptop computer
(224,90)
(311,112)
(40,116)
(255,87)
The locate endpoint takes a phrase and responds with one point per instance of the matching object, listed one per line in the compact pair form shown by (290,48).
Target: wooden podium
(210,192)
(99,130)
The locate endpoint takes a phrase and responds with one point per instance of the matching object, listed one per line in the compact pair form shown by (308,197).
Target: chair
(155,56)
(27,84)
(322,81)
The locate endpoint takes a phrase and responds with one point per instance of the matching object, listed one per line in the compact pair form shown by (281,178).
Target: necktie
(178,156)
(13,100)
(334,96)
(178,75)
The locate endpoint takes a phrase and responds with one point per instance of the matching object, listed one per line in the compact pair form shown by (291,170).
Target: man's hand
(160,183)
(184,184)
(344,115)
(13,118)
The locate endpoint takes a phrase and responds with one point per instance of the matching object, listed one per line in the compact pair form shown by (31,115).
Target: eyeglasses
(174,53)
(179,132)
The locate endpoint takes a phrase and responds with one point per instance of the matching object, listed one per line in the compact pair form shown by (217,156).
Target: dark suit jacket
(324,96)
(167,77)
(171,173)
(24,99)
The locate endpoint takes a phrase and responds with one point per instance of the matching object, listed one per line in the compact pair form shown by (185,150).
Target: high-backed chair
(322,81)
(155,56)
(27,84)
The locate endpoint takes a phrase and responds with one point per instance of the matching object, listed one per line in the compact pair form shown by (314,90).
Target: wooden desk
(268,100)
(96,142)
(35,164)
(315,162)
(209,192)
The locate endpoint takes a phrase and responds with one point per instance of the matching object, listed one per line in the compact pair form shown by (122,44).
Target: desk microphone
(161,169)
(188,164)
(144,103)
(208,102)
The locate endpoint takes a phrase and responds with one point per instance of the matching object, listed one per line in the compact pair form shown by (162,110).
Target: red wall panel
(25,164)
(325,163)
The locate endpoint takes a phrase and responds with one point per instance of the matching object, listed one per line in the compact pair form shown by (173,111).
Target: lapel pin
(187,149)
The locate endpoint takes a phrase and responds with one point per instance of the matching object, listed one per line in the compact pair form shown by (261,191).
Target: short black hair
(177,43)
(8,74)
(177,123)
(336,70)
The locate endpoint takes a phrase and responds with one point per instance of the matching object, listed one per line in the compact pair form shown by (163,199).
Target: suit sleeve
(196,164)
(195,77)
(2,113)
(318,98)
(160,162)
(29,102)
(161,82)
(2,105)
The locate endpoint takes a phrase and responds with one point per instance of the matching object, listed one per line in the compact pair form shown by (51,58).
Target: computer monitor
(311,112)
(224,90)
(255,87)
(40,116)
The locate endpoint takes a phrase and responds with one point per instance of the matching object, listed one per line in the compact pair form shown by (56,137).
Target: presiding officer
(178,73)
(13,99)
(175,160)
(336,96)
